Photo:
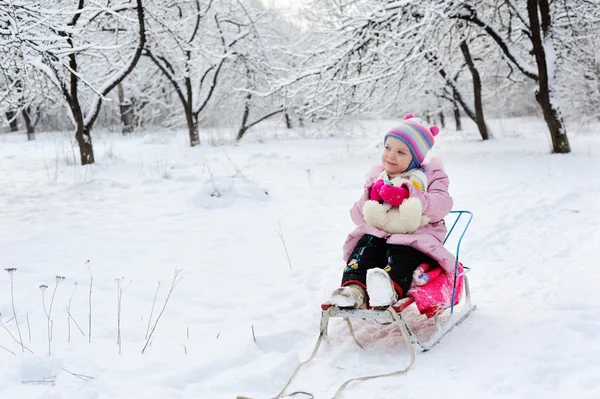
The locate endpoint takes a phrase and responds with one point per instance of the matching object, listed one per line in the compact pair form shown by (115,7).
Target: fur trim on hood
(434,162)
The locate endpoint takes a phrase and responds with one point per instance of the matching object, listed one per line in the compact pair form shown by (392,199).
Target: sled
(395,314)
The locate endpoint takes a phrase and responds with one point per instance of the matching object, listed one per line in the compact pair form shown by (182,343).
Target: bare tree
(84,123)
(21,88)
(192,57)
(358,58)
(456,96)
(538,29)
(260,61)
(479,117)
(383,54)
(62,51)
(577,42)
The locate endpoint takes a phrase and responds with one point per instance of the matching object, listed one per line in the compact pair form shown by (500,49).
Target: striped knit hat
(415,133)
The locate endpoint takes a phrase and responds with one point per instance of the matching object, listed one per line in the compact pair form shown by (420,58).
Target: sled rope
(352,333)
(310,358)
(405,336)
(407,340)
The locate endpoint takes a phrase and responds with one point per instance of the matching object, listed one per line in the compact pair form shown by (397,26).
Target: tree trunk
(127,113)
(546,92)
(442,120)
(192,122)
(86,149)
(457,116)
(241,133)
(12,118)
(245,125)
(479,117)
(30,127)
(127,117)
(245,116)
(288,121)
(553,118)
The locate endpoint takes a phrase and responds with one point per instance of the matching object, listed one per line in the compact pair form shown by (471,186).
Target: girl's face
(396,156)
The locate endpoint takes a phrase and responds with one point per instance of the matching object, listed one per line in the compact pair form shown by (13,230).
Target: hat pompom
(408,116)
(434,130)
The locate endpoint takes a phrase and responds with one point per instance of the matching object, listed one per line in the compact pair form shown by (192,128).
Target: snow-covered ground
(243,316)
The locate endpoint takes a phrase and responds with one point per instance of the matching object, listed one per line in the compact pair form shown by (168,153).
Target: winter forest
(176,176)
(129,66)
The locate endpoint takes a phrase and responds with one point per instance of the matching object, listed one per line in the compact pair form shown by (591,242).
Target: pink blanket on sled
(432,289)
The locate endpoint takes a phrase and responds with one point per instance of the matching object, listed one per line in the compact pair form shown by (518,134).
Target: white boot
(380,289)
(350,296)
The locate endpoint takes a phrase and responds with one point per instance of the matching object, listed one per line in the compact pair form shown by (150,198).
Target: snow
(379,288)
(243,316)
(291,6)
(224,191)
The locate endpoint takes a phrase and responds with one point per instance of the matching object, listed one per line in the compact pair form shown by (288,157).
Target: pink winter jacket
(436,204)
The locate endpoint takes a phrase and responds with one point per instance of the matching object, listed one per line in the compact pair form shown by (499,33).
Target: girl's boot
(380,289)
(350,296)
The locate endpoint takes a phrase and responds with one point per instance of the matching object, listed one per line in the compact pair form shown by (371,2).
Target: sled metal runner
(394,314)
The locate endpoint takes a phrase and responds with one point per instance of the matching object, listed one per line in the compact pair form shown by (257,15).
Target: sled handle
(469,215)
(460,214)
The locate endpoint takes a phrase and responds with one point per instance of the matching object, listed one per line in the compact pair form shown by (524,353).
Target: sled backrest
(465,218)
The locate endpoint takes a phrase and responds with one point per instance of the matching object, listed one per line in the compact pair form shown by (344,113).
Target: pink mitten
(394,195)
(374,193)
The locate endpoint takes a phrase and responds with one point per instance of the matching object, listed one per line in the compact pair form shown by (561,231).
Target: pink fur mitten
(374,193)
(394,195)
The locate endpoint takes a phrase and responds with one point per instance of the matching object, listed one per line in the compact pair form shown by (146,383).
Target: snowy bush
(221,191)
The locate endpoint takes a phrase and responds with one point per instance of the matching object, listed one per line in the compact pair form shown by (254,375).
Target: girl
(399,218)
